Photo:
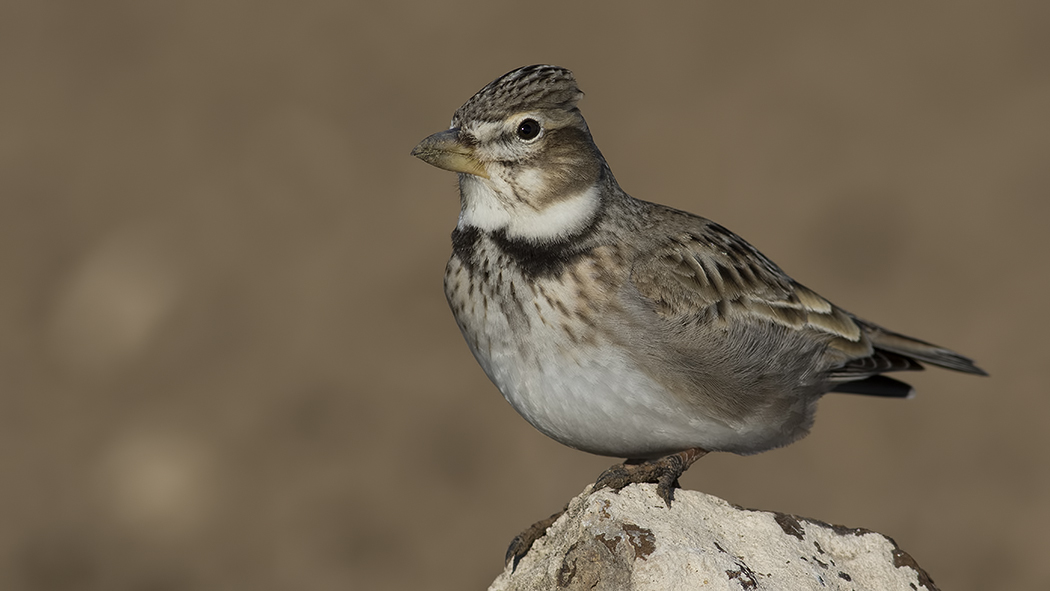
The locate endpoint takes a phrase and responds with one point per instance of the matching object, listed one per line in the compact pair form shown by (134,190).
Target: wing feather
(717,274)
(705,274)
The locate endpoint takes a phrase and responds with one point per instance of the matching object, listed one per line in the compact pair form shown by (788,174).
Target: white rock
(632,541)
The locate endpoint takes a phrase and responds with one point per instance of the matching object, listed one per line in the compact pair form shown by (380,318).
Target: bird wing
(709,273)
(704,276)
(705,273)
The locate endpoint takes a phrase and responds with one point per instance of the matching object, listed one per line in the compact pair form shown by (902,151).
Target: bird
(625,328)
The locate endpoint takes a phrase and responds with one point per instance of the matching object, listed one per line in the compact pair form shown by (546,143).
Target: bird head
(526,161)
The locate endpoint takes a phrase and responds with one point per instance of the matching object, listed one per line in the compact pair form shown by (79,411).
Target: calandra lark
(625,328)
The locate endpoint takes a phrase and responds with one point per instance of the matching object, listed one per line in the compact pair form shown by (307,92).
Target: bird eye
(528,129)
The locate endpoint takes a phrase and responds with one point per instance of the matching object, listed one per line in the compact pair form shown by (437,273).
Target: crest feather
(530,87)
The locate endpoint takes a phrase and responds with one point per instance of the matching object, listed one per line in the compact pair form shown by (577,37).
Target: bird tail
(884,386)
(920,350)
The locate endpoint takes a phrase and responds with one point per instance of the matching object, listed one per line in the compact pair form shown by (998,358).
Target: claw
(522,543)
(663,472)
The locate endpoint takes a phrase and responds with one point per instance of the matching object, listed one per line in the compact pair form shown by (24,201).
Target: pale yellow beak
(445,150)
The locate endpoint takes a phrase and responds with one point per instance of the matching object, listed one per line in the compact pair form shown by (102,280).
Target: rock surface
(632,541)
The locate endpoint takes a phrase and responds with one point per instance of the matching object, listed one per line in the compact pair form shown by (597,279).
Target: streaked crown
(530,87)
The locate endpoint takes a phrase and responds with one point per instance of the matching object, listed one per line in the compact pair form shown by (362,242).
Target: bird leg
(663,472)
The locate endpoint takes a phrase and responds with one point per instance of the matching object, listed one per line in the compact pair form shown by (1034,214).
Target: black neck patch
(465,245)
(537,260)
(534,260)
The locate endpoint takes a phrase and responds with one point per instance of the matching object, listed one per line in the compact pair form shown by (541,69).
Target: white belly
(582,389)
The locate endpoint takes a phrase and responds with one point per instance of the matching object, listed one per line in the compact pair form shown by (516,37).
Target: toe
(662,472)
(522,543)
(615,478)
(517,550)
(665,487)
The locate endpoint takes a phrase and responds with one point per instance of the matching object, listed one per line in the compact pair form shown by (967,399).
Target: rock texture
(632,541)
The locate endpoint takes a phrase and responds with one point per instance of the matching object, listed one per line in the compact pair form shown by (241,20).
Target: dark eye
(528,129)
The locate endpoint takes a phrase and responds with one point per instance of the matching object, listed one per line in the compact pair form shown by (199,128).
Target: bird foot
(522,543)
(663,472)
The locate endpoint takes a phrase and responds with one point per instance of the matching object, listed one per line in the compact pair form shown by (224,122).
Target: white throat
(486,210)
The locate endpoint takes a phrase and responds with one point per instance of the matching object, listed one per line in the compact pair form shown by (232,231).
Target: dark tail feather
(877,386)
(921,350)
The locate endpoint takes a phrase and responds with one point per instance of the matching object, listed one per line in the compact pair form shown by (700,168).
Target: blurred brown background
(226,361)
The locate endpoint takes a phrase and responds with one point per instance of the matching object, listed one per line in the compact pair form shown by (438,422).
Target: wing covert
(709,274)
